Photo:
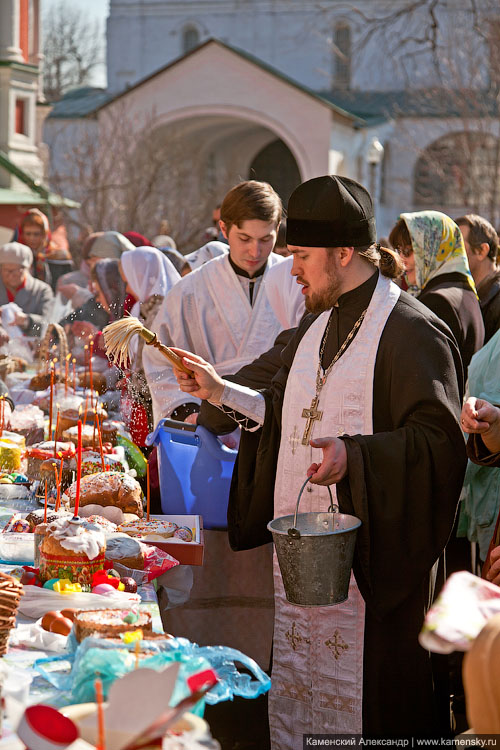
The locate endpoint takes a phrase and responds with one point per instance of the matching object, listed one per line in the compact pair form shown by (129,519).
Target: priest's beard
(325,298)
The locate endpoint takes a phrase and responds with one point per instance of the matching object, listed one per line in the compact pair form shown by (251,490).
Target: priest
(363,398)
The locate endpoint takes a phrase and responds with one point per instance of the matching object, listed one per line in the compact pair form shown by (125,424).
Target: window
(190,39)
(342,56)
(20,117)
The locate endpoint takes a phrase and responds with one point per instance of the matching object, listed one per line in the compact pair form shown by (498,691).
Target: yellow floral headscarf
(438,247)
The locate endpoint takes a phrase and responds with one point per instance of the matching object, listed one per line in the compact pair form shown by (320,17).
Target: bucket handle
(332,508)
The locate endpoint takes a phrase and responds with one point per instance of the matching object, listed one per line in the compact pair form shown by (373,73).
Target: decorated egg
(184,533)
(61,625)
(131,618)
(130,585)
(21,478)
(50,583)
(49,618)
(103,588)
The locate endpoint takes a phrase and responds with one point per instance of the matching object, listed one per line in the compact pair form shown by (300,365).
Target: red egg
(49,618)
(69,613)
(61,625)
(130,585)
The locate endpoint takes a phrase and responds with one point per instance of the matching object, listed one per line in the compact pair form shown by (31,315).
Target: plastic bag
(37,601)
(113,660)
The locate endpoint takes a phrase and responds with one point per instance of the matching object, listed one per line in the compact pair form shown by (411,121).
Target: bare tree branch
(73,49)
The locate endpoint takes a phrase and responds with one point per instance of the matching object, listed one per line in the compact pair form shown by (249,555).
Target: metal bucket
(315,553)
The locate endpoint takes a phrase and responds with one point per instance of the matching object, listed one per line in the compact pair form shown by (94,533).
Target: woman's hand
(205,383)
(482,418)
(333,467)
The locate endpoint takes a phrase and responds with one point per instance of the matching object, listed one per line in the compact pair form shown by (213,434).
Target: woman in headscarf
(437,273)
(49,259)
(109,287)
(149,275)
(88,316)
(32,297)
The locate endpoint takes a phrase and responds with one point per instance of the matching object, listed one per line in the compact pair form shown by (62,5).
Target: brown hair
(388,261)
(400,236)
(480,231)
(251,200)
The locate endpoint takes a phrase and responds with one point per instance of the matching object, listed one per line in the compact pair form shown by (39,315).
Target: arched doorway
(460,171)
(275,164)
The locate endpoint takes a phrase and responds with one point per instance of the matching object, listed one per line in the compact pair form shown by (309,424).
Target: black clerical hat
(330,211)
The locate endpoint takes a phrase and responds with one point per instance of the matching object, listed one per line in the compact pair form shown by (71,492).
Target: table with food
(84,660)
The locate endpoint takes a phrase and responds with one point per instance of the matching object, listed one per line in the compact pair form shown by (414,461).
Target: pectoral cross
(312,414)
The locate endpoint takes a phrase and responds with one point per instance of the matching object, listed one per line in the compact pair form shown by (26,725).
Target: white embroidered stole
(317,680)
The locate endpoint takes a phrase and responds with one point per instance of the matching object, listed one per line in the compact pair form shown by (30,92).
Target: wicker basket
(54,333)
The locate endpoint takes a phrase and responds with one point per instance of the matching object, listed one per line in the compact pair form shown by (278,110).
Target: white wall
(295,36)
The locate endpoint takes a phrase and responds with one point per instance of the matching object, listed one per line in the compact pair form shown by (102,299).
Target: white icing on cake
(76,537)
(154,527)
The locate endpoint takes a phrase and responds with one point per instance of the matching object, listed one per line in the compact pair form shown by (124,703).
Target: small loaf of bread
(109,488)
(121,548)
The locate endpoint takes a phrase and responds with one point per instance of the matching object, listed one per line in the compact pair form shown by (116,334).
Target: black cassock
(403,482)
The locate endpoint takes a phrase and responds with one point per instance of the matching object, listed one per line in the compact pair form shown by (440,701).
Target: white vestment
(285,295)
(317,679)
(208,313)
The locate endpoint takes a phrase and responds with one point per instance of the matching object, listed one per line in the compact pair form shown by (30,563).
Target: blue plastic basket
(195,471)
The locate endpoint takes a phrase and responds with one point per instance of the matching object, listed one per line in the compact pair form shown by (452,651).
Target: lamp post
(374,156)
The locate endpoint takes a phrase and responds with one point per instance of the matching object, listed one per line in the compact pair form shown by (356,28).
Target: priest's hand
(481,417)
(493,573)
(333,467)
(206,383)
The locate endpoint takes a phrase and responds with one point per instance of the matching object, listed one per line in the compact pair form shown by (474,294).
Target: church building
(285,90)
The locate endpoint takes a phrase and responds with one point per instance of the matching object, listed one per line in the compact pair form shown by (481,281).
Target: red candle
(66,366)
(45,505)
(147,491)
(86,407)
(101,742)
(51,400)
(85,350)
(78,467)
(59,483)
(74,375)
(91,351)
(57,432)
(99,435)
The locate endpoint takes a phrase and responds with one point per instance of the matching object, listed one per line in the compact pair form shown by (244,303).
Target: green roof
(431,102)
(35,193)
(79,103)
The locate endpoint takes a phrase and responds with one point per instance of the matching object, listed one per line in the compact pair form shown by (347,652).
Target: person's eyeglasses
(406,251)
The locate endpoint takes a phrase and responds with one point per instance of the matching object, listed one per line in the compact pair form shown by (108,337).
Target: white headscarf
(110,245)
(205,253)
(148,272)
(16,252)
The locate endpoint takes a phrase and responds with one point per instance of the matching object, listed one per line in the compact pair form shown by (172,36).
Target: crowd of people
(320,353)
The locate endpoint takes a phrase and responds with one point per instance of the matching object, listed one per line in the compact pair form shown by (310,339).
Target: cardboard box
(187,553)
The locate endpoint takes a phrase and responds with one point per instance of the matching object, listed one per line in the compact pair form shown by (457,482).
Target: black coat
(450,298)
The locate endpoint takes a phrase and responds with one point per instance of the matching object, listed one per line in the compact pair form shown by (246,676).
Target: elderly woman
(437,273)
(32,296)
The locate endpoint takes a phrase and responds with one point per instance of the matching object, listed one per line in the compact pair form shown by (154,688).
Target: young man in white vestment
(222,312)
(364,398)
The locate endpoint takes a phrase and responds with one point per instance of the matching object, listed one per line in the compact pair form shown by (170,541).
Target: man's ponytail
(388,261)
